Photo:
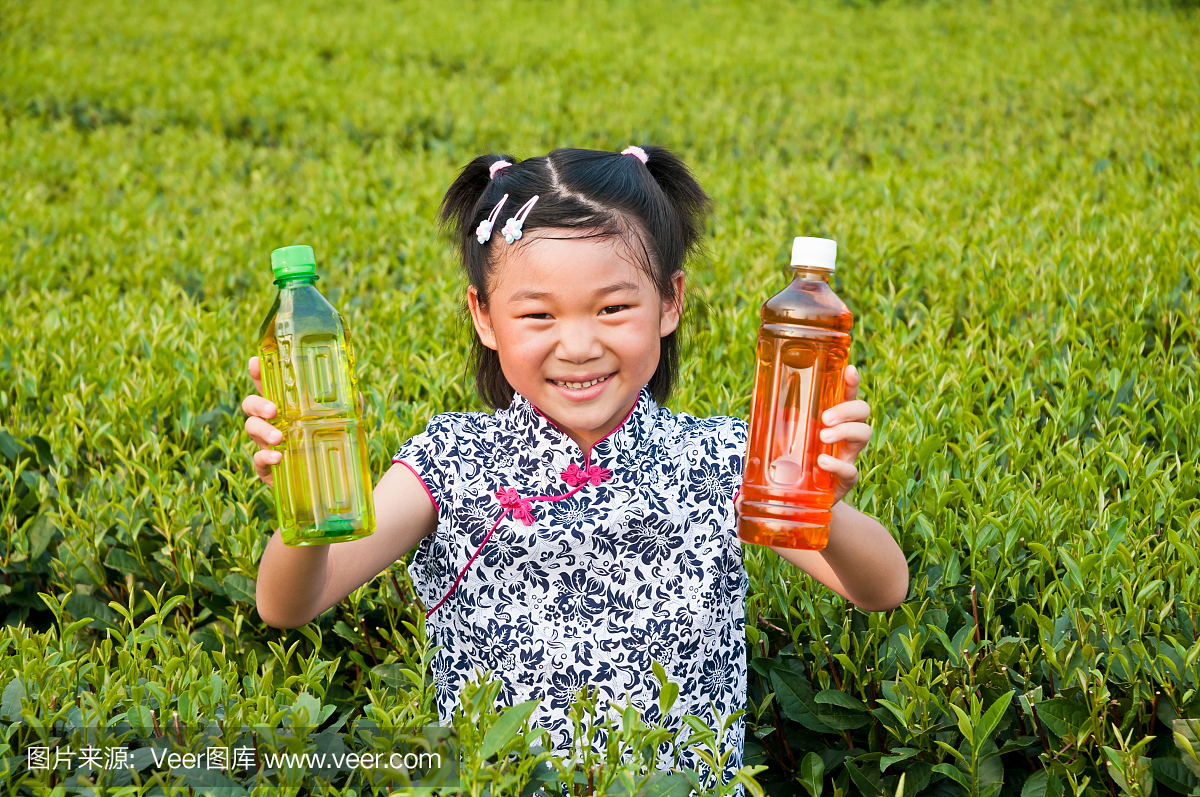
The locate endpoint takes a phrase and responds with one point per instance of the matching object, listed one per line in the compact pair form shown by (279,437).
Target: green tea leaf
(898,754)
(506,728)
(40,535)
(1061,715)
(1043,783)
(867,780)
(991,718)
(666,784)
(306,711)
(10,700)
(796,700)
(955,774)
(1172,773)
(667,696)
(812,774)
(240,588)
(10,446)
(836,697)
(123,562)
(391,675)
(45,454)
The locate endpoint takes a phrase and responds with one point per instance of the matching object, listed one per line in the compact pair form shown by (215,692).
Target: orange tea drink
(323,482)
(803,347)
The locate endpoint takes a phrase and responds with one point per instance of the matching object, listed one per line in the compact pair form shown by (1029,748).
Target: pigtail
(460,204)
(460,212)
(684,213)
(685,195)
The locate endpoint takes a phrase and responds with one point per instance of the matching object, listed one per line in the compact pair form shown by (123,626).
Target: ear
(672,310)
(481,318)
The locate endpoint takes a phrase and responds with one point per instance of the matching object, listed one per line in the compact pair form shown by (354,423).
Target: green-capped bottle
(323,481)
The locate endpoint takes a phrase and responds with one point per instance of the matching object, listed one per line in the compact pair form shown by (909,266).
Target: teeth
(580,385)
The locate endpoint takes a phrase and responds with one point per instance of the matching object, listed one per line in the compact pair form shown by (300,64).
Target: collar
(530,429)
(618,448)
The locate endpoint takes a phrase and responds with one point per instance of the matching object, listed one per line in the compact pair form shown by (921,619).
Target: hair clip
(636,152)
(484,231)
(497,166)
(512,227)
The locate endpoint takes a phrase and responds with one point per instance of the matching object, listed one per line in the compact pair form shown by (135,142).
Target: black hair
(657,207)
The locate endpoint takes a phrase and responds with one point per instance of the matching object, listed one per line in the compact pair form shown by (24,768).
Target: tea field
(1015,192)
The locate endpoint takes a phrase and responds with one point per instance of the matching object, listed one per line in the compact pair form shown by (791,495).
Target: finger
(848,433)
(853,380)
(264,464)
(258,406)
(255,369)
(848,411)
(266,458)
(262,432)
(848,452)
(843,470)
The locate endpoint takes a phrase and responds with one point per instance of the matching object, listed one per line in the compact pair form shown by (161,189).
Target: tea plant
(1014,191)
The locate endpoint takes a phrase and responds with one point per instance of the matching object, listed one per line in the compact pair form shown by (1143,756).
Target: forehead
(550,265)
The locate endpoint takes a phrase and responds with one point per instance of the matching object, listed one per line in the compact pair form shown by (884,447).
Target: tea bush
(1014,191)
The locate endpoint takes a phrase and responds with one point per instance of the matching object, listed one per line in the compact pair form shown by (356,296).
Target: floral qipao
(641,563)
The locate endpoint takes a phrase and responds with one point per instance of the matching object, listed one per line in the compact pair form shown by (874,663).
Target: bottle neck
(295,282)
(810,273)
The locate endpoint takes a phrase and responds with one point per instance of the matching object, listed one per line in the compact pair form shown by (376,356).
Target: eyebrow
(529,294)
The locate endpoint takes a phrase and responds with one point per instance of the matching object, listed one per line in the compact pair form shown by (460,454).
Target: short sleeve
(430,455)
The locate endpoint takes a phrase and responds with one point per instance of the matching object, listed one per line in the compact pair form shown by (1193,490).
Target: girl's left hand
(846,425)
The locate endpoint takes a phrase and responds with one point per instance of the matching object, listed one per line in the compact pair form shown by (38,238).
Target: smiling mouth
(580,385)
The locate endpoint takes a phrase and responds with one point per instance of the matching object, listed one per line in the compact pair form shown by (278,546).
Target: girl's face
(575,310)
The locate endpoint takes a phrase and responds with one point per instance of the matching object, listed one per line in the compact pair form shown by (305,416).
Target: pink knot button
(575,475)
(512,500)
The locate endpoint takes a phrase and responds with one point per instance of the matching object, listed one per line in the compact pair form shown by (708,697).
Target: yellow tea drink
(323,482)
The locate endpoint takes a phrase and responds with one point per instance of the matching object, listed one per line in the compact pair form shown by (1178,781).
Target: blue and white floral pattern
(644,565)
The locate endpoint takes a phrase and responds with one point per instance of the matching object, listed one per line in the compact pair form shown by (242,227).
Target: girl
(582,531)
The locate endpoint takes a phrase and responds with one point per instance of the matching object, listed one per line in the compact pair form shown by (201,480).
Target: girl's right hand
(259,410)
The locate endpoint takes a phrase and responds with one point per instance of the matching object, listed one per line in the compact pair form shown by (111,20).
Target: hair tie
(636,152)
(512,227)
(497,166)
(484,231)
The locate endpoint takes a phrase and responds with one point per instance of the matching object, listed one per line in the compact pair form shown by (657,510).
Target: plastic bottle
(803,348)
(323,481)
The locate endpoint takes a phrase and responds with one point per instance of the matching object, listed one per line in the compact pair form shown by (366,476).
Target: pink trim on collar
(511,500)
(587,455)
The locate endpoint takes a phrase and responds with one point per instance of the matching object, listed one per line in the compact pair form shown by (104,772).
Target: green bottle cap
(293,261)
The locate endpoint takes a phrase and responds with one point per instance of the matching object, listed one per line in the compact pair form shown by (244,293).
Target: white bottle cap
(814,253)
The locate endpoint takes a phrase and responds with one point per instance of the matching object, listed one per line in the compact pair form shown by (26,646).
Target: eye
(535,316)
(614,307)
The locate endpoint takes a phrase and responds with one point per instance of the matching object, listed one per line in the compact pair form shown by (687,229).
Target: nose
(579,342)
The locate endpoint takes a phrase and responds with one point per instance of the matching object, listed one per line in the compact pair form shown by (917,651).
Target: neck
(808,273)
(586,438)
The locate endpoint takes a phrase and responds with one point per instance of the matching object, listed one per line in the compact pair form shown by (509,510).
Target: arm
(295,585)
(861,562)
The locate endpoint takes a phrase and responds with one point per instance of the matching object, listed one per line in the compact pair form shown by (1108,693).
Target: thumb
(853,380)
(255,369)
